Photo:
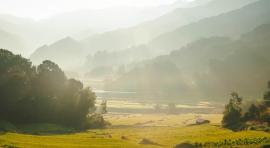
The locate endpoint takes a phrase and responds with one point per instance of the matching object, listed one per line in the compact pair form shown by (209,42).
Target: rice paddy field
(129,130)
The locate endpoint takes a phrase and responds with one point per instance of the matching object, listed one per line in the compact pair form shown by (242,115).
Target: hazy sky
(39,9)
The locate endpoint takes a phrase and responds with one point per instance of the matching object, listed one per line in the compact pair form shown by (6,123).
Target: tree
(15,83)
(50,79)
(103,107)
(43,94)
(232,114)
(157,107)
(172,108)
(253,113)
(267,96)
(86,102)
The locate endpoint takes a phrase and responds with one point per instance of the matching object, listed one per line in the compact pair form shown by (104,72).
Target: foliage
(96,121)
(255,117)
(41,94)
(103,107)
(267,96)
(228,143)
(255,112)
(232,113)
(213,65)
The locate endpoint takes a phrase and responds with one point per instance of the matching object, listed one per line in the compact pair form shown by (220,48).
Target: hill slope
(66,52)
(230,24)
(206,69)
(145,32)
(11,41)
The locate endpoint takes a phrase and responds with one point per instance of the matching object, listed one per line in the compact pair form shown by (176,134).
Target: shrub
(95,121)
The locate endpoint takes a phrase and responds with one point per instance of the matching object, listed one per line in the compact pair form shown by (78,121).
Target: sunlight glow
(39,9)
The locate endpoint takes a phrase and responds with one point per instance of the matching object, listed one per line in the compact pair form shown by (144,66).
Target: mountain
(230,24)
(66,52)
(32,33)
(96,20)
(145,32)
(207,69)
(11,41)
(77,24)
(121,43)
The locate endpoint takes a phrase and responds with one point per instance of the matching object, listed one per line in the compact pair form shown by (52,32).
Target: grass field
(128,130)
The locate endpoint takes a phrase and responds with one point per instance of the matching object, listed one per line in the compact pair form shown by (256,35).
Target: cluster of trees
(30,94)
(236,118)
(171,108)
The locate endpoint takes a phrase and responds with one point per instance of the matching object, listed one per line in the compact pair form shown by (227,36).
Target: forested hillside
(205,69)
(230,24)
(66,52)
(147,31)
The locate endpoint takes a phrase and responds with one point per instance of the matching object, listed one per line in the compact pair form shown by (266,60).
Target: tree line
(236,117)
(41,94)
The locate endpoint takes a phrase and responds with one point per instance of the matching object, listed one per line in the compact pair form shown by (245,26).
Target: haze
(40,9)
(134,73)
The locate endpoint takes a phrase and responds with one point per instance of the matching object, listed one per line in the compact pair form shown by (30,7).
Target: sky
(40,9)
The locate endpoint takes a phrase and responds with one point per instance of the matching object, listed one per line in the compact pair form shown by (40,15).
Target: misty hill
(30,32)
(79,24)
(145,32)
(230,24)
(106,62)
(11,41)
(207,69)
(66,52)
(110,40)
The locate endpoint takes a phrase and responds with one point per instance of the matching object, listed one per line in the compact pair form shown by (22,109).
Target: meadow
(128,130)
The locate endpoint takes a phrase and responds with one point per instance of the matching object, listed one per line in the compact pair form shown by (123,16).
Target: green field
(128,130)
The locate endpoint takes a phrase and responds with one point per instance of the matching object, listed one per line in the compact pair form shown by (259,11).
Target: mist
(135,73)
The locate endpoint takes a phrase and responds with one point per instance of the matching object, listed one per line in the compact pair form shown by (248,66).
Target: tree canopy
(30,94)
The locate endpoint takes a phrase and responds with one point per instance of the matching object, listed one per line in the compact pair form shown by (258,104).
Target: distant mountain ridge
(207,69)
(11,41)
(142,34)
(77,24)
(230,24)
(66,52)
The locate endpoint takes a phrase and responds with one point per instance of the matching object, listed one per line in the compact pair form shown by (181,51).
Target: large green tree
(30,94)
(232,113)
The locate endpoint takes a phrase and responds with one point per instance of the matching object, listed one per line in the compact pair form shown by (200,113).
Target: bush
(266,117)
(95,121)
